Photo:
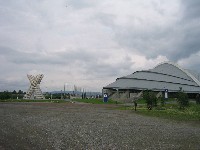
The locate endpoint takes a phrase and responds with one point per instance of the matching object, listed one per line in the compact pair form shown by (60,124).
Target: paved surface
(88,126)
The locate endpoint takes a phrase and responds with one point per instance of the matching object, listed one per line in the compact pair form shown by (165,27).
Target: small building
(165,76)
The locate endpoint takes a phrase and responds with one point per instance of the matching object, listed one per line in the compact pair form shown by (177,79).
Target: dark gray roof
(166,75)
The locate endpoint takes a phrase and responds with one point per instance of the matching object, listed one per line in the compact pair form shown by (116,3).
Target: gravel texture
(88,126)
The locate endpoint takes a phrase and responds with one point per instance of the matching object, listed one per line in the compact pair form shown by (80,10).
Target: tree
(84,95)
(14,92)
(20,92)
(150,99)
(162,101)
(182,99)
(197,99)
(5,95)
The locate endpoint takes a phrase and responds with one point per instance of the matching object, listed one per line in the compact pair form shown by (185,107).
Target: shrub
(162,101)
(150,99)
(197,99)
(182,99)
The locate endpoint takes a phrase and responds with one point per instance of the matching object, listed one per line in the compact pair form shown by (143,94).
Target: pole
(64,91)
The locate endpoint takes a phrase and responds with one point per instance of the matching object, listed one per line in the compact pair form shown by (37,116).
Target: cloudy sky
(90,43)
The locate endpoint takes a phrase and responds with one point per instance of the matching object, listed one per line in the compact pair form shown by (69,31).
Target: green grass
(169,111)
(25,100)
(92,101)
(95,101)
(141,101)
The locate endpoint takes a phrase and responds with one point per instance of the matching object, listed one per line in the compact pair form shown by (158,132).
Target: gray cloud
(90,43)
(20,58)
(186,32)
(191,9)
(90,62)
(176,38)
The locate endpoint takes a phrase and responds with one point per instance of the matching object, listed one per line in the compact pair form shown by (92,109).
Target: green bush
(197,99)
(150,98)
(182,99)
(162,101)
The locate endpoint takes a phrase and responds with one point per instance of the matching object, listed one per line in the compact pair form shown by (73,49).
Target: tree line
(12,95)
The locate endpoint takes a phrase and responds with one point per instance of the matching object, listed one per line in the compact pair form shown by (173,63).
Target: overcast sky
(90,43)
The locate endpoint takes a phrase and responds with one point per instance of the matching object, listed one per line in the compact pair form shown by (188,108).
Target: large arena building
(166,76)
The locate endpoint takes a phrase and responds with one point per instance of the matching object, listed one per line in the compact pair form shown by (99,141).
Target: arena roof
(166,75)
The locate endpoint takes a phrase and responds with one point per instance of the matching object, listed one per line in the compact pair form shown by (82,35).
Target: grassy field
(95,101)
(170,100)
(92,101)
(169,111)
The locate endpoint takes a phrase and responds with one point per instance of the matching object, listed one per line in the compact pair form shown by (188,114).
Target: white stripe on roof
(185,71)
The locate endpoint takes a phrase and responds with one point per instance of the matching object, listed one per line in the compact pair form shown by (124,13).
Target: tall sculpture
(34,91)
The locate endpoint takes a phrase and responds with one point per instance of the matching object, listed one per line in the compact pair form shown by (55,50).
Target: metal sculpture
(34,91)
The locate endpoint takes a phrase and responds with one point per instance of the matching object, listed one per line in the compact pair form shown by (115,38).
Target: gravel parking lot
(89,126)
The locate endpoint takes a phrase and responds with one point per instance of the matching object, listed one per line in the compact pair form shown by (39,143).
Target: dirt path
(88,126)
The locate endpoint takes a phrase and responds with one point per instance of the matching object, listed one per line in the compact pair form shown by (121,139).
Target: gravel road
(88,126)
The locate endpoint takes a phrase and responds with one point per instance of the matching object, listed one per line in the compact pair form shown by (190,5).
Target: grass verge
(170,111)
(95,101)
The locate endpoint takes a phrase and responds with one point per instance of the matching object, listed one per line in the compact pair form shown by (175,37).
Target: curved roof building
(166,75)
